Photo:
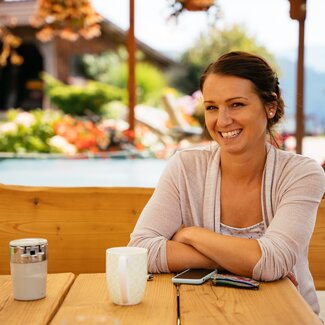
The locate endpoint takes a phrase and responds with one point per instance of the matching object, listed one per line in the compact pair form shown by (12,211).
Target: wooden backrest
(79,223)
(317,249)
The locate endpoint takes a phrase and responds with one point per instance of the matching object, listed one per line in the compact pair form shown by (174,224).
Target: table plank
(274,303)
(37,311)
(88,301)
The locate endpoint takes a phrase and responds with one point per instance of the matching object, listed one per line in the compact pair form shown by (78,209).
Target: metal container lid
(28,250)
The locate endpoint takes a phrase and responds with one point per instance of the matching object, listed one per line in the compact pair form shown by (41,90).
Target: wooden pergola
(297,12)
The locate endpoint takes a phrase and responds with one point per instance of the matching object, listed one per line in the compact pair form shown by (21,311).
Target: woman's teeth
(230,134)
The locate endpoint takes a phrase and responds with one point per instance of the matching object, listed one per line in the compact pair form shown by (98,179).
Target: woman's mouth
(230,134)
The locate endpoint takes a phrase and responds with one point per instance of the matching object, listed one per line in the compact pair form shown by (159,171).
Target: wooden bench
(79,223)
(317,249)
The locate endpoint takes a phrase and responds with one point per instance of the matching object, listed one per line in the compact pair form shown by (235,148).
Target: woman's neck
(243,168)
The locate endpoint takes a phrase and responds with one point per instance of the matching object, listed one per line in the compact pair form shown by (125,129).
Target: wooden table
(88,302)
(274,303)
(33,312)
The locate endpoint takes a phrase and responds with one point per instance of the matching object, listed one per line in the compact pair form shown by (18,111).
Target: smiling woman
(239,204)
(235,94)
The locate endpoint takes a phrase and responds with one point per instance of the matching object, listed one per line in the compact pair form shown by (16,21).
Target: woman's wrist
(188,234)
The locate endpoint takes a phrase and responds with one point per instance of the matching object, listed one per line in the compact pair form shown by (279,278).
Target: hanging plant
(10,43)
(178,6)
(67,19)
(196,5)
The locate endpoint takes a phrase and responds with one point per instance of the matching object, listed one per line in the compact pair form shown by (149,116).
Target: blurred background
(119,79)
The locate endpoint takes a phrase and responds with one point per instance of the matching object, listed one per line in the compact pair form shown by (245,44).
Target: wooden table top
(88,301)
(33,312)
(274,303)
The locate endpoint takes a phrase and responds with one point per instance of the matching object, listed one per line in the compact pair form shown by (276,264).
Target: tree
(208,48)
(111,68)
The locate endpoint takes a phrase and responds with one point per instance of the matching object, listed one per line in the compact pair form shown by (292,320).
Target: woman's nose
(224,118)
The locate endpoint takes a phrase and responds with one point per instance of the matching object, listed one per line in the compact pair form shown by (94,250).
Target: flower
(25,119)
(67,19)
(62,145)
(84,135)
(9,43)
(8,128)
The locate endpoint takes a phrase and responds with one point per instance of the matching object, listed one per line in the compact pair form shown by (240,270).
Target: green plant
(150,82)
(78,100)
(112,68)
(28,131)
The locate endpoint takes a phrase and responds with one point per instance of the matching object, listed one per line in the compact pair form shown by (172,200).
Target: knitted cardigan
(188,193)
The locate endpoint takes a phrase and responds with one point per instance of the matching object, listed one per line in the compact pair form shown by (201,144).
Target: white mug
(126,274)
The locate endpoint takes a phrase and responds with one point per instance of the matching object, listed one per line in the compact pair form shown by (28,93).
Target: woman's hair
(258,71)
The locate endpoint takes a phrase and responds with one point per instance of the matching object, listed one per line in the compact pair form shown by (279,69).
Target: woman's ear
(271,112)
(272,107)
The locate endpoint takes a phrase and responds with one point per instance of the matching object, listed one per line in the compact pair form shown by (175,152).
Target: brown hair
(258,71)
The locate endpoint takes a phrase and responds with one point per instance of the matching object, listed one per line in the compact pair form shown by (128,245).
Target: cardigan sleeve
(288,235)
(160,219)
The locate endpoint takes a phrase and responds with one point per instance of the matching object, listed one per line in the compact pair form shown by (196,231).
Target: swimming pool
(81,172)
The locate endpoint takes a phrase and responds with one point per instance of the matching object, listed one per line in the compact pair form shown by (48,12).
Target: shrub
(79,99)
(112,68)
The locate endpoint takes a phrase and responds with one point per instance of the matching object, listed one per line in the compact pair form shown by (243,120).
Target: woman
(238,204)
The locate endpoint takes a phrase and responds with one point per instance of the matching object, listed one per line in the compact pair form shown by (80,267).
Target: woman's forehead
(227,86)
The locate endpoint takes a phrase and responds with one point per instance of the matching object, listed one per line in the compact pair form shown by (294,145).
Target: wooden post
(298,11)
(131,77)
(300,127)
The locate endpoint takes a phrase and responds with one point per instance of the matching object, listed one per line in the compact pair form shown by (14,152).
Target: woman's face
(234,114)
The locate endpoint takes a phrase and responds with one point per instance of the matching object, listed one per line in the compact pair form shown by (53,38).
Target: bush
(112,68)
(77,100)
(28,131)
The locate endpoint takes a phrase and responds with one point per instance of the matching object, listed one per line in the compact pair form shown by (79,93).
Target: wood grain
(274,303)
(79,223)
(316,255)
(88,300)
(13,312)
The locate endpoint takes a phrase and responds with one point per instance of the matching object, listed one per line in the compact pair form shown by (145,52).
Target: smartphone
(193,276)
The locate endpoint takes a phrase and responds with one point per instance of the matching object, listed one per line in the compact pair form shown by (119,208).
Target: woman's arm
(237,255)
(182,256)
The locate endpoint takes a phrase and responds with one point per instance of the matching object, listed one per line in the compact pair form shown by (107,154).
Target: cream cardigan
(188,193)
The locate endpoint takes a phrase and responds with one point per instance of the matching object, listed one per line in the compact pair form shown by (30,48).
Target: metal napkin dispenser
(28,250)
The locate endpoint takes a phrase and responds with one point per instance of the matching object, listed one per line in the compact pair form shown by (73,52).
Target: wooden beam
(298,9)
(300,118)
(131,77)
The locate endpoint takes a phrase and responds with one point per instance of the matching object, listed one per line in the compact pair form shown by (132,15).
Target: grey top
(188,193)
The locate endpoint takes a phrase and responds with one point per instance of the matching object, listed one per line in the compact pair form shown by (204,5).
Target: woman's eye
(235,105)
(211,107)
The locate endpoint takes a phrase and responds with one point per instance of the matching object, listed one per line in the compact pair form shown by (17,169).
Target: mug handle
(122,271)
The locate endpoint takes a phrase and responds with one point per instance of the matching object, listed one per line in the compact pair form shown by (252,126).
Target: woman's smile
(230,134)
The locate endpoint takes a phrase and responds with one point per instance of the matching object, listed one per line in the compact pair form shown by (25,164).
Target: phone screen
(193,274)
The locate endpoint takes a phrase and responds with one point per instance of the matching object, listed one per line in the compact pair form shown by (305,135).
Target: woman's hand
(182,256)
(292,278)
(185,234)
(178,234)
(225,251)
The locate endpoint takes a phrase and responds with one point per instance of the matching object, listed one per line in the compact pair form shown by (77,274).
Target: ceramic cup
(126,274)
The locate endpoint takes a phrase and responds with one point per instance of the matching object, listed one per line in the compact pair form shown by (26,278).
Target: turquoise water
(87,172)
